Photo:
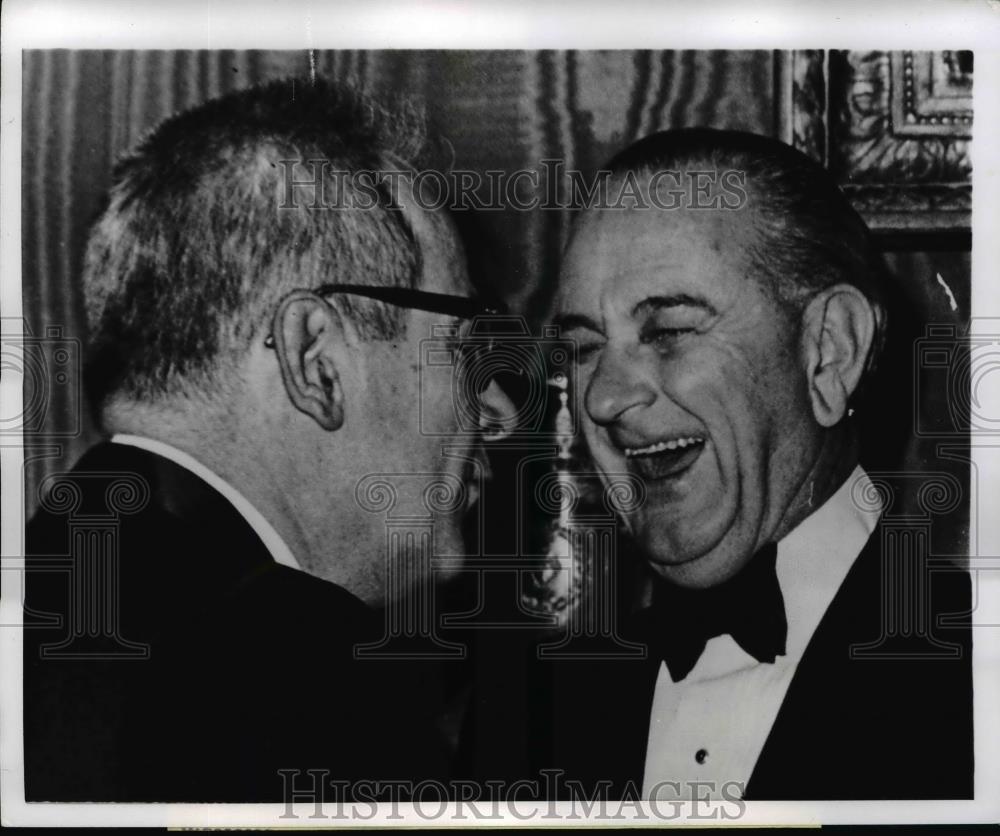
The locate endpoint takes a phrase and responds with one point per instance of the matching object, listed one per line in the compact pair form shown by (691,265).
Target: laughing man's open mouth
(666,458)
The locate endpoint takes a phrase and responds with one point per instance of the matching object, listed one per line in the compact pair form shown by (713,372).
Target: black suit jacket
(224,667)
(850,726)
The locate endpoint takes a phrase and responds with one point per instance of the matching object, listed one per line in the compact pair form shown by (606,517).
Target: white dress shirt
(712,725)
(262,528)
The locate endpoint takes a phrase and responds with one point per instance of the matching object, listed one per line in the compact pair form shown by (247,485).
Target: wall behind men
(504,110)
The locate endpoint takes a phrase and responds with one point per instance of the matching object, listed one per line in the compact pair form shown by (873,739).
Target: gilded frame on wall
(894,127)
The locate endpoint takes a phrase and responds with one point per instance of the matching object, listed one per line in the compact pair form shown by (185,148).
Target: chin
(699,573)
(695,561)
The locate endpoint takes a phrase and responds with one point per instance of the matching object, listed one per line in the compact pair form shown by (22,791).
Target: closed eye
(664,322)
(664,336)
(587,348)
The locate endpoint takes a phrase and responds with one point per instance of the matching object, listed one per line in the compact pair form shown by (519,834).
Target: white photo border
(82,24)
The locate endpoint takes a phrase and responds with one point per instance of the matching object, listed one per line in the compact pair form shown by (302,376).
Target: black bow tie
(749,607)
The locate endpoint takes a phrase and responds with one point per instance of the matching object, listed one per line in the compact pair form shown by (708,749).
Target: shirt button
(701,755)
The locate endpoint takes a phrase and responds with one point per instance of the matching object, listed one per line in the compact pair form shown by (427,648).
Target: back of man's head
(206,230)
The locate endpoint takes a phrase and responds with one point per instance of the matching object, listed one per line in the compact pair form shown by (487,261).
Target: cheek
(583,376)
(588,432)
(580,395)
(722,383)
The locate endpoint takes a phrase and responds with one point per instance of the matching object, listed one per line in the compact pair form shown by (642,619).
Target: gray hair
(198,243)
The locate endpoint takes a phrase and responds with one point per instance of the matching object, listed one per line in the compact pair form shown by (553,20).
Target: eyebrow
(651,304)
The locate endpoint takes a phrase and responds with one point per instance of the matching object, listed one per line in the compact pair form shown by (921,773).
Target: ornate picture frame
(894,127)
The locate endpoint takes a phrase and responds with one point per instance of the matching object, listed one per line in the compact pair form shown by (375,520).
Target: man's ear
(307,332)
(837,334)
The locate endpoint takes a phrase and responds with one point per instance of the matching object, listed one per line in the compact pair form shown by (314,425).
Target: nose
(497,413)
(616,387)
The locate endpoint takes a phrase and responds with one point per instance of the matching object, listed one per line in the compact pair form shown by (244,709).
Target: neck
(836,459)
(220,443)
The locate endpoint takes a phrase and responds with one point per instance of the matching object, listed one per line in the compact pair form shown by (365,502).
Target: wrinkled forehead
(625,254)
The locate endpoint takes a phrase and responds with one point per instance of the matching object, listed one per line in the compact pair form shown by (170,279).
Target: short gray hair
(187,263)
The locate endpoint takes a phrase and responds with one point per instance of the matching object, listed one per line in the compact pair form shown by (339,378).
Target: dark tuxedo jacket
(213,668)
(850,726)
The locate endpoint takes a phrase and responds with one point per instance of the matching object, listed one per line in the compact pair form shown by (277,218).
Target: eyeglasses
(471,353)
(446,304)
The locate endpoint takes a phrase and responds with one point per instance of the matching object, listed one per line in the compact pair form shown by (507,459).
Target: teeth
(660,446)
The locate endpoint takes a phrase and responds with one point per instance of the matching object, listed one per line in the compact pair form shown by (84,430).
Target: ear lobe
(838,330)
(306,334)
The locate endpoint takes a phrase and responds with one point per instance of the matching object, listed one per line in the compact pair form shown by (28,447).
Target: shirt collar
(262,528)
(815,557)
(812,562)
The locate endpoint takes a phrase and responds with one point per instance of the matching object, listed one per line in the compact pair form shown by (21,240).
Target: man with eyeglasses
(252,360)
